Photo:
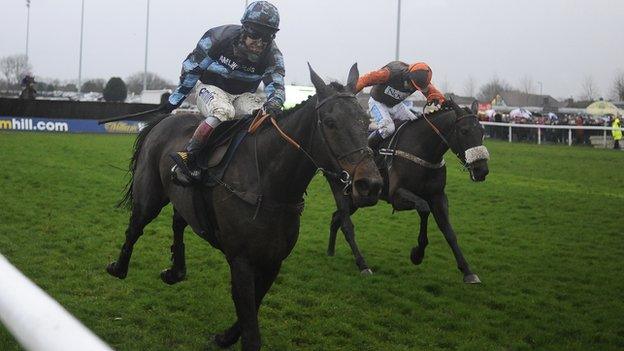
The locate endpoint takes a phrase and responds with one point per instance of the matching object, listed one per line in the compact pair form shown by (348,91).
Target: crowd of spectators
(548,135)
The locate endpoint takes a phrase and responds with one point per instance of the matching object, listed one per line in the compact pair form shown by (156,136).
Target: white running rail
(540,127)
(36,320)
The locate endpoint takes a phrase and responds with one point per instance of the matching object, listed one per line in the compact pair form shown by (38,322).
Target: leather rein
(420,161)
(342,175)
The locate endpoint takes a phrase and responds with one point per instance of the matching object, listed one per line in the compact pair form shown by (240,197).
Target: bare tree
(445,86)
(526,84)
(154,81)
(495,86)
(618,86)
(13,68)
(93,85)
(470,86)
(589,91)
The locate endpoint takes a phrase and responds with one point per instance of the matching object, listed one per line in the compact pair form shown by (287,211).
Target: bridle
(341,174)
(453,130)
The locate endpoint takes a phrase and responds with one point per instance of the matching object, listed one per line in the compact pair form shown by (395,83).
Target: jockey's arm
(432,93)
(273,79)
(379,76)
(196,62)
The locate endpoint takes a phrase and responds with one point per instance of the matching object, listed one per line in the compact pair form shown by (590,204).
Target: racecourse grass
(543,233)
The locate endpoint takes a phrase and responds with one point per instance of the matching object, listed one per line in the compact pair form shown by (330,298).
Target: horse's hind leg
(418,252)
(177,272)
(440,213)
(142,214)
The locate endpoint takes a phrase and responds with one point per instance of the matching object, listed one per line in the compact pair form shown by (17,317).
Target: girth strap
(417,160)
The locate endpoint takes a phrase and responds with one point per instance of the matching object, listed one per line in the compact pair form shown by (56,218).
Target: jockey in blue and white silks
(229,62)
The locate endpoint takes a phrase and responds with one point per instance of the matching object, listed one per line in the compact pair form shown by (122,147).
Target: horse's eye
(330,123)
(463,131)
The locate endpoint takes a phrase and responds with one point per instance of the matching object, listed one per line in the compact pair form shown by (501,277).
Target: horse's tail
(127,199)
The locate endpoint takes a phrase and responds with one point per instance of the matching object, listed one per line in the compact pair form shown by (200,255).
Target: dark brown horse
(255,238)
(416,178)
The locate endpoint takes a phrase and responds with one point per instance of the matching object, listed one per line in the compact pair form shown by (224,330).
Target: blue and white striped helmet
(263,14)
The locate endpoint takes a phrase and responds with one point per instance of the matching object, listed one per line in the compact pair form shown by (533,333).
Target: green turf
(543,233)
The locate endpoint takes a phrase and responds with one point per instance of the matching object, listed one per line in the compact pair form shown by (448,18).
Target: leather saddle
(215,157)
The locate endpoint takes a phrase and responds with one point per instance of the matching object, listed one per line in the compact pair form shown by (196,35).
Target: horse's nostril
(480,173)
(375,187)
(362,186)
(368,187)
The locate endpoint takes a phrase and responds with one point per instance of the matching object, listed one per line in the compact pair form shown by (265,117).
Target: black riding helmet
(261,20)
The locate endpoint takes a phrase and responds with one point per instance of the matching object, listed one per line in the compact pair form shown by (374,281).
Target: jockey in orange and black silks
(392,84)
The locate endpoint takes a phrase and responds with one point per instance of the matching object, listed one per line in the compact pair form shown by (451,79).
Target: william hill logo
(123,127)
(29,124)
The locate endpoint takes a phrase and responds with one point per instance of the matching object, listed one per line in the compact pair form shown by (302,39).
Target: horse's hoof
(330,253)
(416,257)
(171,277)
(113,269)
(366,271)
(224,341)
(472,279)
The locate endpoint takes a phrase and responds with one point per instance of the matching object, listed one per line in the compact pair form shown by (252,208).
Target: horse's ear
(321,88)
(354,75)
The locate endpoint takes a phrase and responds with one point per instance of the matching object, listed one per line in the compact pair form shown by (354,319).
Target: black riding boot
(186,171)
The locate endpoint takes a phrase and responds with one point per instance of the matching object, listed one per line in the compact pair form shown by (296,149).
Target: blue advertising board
(36,124)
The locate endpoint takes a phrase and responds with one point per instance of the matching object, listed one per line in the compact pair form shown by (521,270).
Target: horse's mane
(448,105)
(298,106)
(337,86)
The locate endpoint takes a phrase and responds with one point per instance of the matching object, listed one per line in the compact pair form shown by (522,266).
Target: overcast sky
(556,42)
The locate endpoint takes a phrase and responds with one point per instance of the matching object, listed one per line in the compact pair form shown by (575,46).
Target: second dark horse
(417,178)
(330,127)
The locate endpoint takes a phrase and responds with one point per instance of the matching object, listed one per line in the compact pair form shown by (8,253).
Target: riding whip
(138,114)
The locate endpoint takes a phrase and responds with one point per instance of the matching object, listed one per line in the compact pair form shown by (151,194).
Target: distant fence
(36,320)
(63,109)
(600,136)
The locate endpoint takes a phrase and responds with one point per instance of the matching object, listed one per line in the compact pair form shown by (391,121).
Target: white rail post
(570,137)
(539,136)
(604,138)
(36,320)
(510,134)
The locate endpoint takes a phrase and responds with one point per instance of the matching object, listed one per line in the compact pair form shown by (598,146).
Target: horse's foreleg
(342,219)
(243,294)
(263,281)
(441,215)
(333,230)
(177,272)
(404,200)
(348,229)
(418,252)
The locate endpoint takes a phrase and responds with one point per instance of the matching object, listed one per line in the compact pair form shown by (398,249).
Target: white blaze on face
(477,153)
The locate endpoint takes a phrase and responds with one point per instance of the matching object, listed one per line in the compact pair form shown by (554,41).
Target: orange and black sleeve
(375,77)
(434,94)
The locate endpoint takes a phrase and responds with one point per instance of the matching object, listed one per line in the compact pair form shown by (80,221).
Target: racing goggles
(419,78)
(255,34)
